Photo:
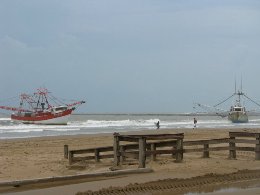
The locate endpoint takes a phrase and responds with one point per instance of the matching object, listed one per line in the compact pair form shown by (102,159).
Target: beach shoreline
(29,158)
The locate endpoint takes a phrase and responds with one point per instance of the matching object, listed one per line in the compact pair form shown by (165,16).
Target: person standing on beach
(158,124)
(195,123)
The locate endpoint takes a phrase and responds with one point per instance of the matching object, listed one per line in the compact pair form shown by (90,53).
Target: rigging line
(62,100)
(55,100)
(252,100)
(59,100)
(66,100)
(224,100)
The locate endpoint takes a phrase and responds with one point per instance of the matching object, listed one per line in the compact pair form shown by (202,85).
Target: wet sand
(43,157)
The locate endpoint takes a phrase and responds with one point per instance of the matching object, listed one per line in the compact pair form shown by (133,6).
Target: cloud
(122,53)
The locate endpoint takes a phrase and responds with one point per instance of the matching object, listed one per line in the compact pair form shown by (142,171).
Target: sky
(130,56)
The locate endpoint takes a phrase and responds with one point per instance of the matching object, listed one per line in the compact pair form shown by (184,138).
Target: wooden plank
(172,151)
(244,134)
(76,159)
(219,148)
(153,135)
(201,142)
(83,151)
(92,150)
(249,149)
(133,138)
(105,149)
(104,156)
(166,143)
(128,139)
(245,141)
(148,145)
(164,138)
(202,149)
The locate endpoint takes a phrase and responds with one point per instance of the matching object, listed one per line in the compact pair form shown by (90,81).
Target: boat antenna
(241,83)
(235,85)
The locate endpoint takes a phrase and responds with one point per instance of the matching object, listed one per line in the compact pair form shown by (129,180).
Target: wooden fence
(121,152)
(233,140)
(152,145)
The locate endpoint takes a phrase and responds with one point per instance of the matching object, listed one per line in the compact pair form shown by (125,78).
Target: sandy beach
(43,157)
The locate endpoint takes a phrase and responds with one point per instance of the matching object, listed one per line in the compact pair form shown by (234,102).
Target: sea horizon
(86,123)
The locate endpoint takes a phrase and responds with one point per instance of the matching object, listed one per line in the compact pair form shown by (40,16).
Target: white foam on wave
(10,129)
(62,129)
(118,123)
(5,119)
(25,128)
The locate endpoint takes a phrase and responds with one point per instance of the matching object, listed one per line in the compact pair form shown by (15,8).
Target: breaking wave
(93,124)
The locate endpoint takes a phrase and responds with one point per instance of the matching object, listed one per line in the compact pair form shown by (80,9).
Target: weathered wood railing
(152,149)
(205,143)
(233,148)
(143,143)
(95,151)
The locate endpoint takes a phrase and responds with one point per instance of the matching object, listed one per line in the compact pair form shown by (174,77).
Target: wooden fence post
(142,152)
(174,148)
(179,147)
(70,157)
(206,151)
(153,149)
(122,157)
(257,149)
(116,149)
(232,148)
(97,156)
(66,151)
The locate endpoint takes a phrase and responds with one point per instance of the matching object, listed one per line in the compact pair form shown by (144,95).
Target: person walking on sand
(195,123)
(158,124)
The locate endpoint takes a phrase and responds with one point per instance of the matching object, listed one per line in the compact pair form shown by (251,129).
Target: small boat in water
(38,109)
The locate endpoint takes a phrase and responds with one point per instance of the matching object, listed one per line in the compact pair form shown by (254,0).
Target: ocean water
(109,123)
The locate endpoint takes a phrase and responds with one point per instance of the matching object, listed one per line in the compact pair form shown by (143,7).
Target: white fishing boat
(237,113)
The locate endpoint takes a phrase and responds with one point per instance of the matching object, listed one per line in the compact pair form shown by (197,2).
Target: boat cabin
(59,109)
(237,109)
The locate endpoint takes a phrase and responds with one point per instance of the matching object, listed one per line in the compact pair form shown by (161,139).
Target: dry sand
(43,157)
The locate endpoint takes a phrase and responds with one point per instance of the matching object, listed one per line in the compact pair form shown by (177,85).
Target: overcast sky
(130,56)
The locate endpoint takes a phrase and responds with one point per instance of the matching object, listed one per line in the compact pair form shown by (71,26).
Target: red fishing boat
(42,108)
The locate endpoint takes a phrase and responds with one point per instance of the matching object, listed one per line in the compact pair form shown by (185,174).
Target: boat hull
(48,118)
(238,117)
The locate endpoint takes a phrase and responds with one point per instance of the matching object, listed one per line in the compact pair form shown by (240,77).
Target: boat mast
(239,92)
(41,95)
